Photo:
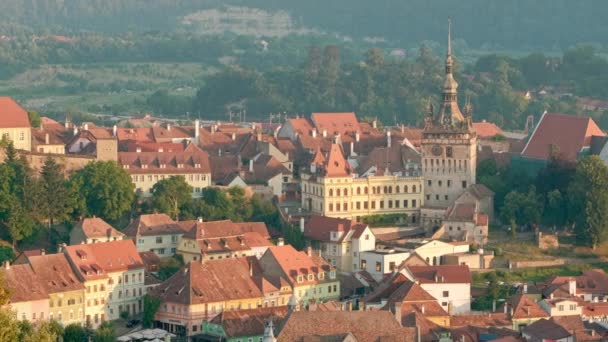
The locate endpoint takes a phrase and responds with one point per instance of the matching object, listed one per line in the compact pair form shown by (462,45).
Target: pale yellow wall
(67,307)
(190,251)
(35,310)
(321,196)
(145,182)
(95,298)
(318,292)
(21,137)
(51,149)
(164,248)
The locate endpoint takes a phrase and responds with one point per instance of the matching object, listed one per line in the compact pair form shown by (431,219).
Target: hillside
(516,24)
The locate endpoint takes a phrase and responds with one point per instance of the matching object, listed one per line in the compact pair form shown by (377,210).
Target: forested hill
(513,24)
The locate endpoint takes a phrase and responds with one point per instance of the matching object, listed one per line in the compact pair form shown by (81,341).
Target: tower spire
(449,37)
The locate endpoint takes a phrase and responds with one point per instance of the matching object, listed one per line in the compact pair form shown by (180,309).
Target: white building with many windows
(157,233)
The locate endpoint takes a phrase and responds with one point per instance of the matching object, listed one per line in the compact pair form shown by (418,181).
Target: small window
(378,266)
(446,294)
(464,184)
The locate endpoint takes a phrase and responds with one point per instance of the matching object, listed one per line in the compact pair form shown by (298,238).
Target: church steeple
(449,114)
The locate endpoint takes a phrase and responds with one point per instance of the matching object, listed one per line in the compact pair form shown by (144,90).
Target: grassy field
(108,88)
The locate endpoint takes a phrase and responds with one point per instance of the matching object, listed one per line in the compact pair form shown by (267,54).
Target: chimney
(397,309)
(357,136)
(86,126)
(199,219)
(114,130)
(402,129)
(314,132)
(302,224)
(506,308)
(197,128)
(7,265)
(250,269)
(138,149)
(233,136)
(388,139)
(47,139)
(324,133)
(251,165)
(219,152)
(42,252)
(169,128)
(337,139)
(212,128)
(422,309)
(350,305)
(313,168)
(281,242)
(494,305)
(375,123)
(525,289)
(572,287)
(75,131)
(309,251)
(352,149)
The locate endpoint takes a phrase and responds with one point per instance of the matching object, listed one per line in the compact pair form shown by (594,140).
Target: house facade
(15,124)
(28,297)
(93,230)
(157,233)
(450,285)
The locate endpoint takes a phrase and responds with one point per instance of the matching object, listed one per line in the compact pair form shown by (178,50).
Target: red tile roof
(336,165)
(372,326)
(212,281)
(55,273)
(301,126)
(97,228)
(451,274)
(294,263)
(481,320)
(23,283)
(486,129)
(12,115)
(524,307)
(136,134)
(245,323)
(594,281)
(335,123)
(153,224)
(569,134)
(224,228)
(320,227)
(94,261)
(191,160)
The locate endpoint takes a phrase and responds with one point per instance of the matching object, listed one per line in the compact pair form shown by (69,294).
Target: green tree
(9,326)
(589,200)
(75,333)
(170,195)
(106,189)
(19,224)
(55,192)
(6,254)
(151,305)
(105,333)
(35,120)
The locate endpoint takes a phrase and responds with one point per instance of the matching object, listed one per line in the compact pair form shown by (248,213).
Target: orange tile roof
(336,165)
(455,274)
(486,129)
(524,307)
(568,133)
(94,261)
(294,263)
(335,123)
(137,134)
(97,228)
(320,227)
(212,281)
(301,126)
(153,224)
(243,323)
(55,273)
(12,115)
(481,320)
(23,283)
(191,160)
(224,228)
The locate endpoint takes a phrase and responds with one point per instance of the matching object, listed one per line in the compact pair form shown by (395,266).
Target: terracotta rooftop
(545,329)
(567,133)
(369,326)
(594,281)
(94,261)
(320,227)
(224,228)
(191,160)
(461,212)
(481,320)
(23,283)
(454,274)
(398,159)
(12,115)
(335,123)
(486,130)
(55,273)
(294,263)
(336,165)
(210,282)
(97,228)
(246,323)
(153,224)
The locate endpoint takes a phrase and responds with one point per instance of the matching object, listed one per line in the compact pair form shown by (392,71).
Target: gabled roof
(302,126)
(55,273)
(461,212)
(397,158)
(95,261)
(245,323)
(212,281)
(23,283)
(486,130)
(225,228)
(335,123)
(372,326)
(545,329)
(524,307)
(320,227)
(12,115)
(294,263)
(97,228)
(569,134)
(449,274)
(153,224)
(191,160)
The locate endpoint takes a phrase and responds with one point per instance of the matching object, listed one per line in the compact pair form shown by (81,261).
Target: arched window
(405,188)
(331,192)
(413,188)
(390,189)
(397,189)
(365,190)
(338,192)
(345,192)
(385,189)
(358,191)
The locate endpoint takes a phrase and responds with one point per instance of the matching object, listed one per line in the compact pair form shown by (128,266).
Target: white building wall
(162,245)
(379,264)
(458,295)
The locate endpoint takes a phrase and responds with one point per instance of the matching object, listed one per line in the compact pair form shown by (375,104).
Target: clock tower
(449,145)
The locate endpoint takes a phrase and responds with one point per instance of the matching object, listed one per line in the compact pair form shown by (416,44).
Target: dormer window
(332,274)
(162,166)
(125,166)
(180,166)
(198,166)
(144,166)
(300,279)
(321,276)
(311,277)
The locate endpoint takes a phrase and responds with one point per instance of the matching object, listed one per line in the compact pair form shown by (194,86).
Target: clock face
(437,150)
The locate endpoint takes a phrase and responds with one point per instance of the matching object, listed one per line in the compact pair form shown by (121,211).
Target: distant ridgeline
(516,24)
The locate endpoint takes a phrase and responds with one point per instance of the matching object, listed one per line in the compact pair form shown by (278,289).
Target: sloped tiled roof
(369,326)
(486,129)
(95,227)
(294,263)
(153,224)
(546,329)
(569,134)
(224,228)
(23,283)
(451,274)
(212,281)
(94,261)
(524,307)
(191,160)
(336,165)
(244,323)
(55,273)
(320,227)
(12,115)
(335,123)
